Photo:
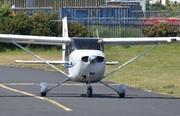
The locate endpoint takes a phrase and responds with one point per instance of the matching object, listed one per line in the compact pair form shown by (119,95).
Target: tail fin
(65,28)
(63,52)
(64,35)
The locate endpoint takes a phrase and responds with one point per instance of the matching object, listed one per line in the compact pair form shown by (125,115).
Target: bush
(43,25)
(160,30)
(5,9)
(19,24)
(78,30)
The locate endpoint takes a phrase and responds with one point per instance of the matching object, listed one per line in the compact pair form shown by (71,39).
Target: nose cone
(92,59)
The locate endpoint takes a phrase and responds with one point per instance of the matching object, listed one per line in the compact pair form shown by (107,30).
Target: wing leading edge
(135,41)
(106,41)
(34,39)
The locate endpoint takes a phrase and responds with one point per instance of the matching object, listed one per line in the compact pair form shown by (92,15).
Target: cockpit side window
(69,49)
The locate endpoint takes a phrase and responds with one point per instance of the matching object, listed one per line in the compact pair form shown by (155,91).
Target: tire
(89,92)
(121,95)
(43,94)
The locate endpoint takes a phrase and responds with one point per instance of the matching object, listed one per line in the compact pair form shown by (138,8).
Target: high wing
(34,39)
(135,41)
(62,40)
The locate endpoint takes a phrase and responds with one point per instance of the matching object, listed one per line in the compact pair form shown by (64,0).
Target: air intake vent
(85,59)
(100,59)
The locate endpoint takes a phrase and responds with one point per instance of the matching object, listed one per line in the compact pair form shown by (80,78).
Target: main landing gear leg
(89,90)
(44,88)
(121,91)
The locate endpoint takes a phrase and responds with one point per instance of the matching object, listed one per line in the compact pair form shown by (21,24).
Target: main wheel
(89,92)
(43,94)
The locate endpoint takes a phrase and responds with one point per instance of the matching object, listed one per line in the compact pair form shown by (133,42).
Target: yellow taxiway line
(38,97)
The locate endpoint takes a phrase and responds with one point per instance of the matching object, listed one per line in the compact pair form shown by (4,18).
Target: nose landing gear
(89,90)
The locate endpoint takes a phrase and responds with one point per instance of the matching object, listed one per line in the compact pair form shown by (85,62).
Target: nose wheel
(89,91)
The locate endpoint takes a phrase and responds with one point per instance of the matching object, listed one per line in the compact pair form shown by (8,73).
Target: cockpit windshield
(86,43)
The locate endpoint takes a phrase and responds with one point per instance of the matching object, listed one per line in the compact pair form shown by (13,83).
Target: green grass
(157,71)
(8,58)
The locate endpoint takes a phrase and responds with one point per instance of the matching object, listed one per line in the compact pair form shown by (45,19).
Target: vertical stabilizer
(63,52)
(64,35)
(65,28)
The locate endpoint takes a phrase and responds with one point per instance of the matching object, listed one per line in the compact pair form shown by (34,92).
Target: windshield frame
(87,44)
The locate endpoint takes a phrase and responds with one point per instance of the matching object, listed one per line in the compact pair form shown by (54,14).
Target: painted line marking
(38,97)
(52,84)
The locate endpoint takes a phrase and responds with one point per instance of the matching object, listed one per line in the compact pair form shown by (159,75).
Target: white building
(142,2)
(163,2)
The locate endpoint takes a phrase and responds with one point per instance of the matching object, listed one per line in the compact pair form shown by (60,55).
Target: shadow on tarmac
(94,96)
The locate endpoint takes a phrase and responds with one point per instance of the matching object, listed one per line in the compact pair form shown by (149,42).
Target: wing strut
(106,84)
(58,84)
(40,59)
(132,60)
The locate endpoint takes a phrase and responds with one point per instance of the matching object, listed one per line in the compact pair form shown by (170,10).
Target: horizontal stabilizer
(111,63)
(40,62)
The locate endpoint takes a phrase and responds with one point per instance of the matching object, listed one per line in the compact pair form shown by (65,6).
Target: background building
(163,2)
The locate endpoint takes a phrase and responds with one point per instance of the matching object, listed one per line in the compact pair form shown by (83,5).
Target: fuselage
(86,60)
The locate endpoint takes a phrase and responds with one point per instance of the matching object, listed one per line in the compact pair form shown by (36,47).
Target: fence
(17,3)
(156,13)
(56,4)
(132,28)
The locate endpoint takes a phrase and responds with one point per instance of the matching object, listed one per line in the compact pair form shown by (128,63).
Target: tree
(156,6)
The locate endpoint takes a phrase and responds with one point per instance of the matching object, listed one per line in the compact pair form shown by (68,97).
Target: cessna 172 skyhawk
(83,58)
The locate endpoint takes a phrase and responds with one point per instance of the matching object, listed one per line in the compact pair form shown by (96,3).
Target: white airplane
(83,58)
